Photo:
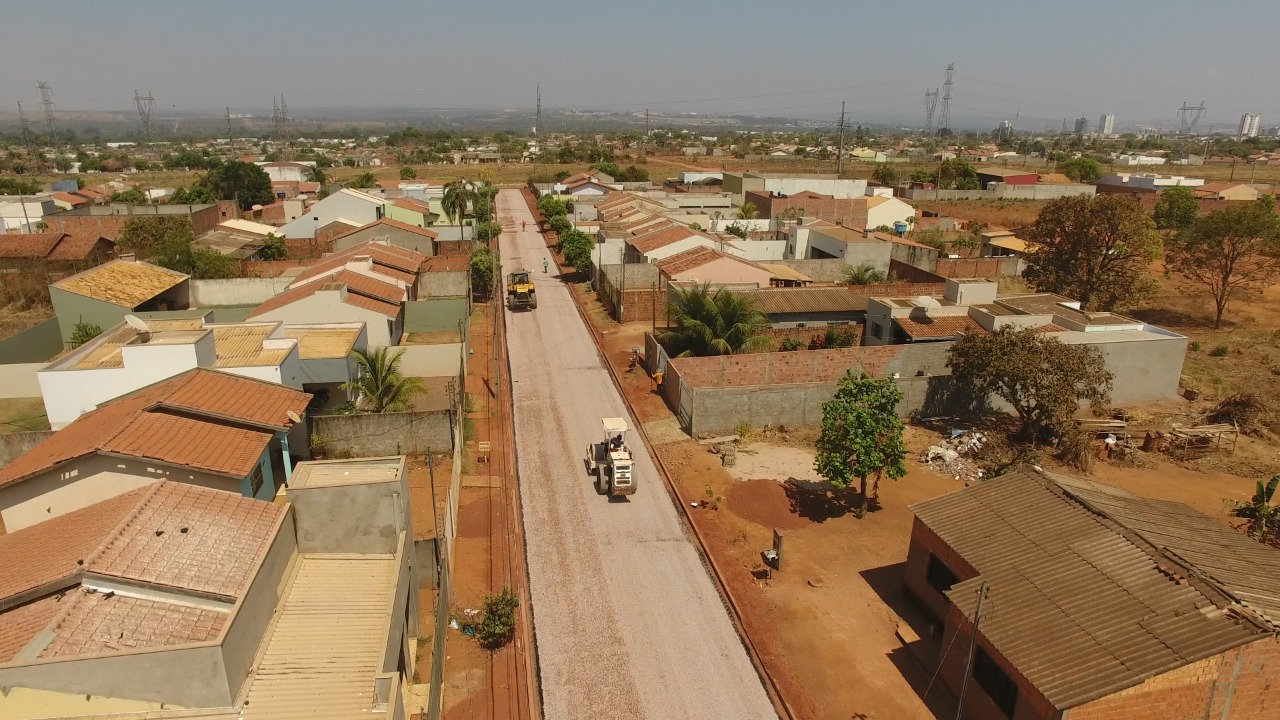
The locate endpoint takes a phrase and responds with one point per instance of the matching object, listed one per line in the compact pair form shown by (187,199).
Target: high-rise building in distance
(1082,126)
(1106,124)
(1249,124)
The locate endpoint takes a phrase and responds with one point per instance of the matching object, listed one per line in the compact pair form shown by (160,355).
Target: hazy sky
(1137,58)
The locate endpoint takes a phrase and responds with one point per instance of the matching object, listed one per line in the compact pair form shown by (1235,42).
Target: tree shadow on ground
(1169,317)
(820,501)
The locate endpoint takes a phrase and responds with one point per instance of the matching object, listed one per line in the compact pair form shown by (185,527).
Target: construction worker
(544,265)
(657,379)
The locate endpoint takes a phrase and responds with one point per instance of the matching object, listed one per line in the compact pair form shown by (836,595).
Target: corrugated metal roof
(343,472)
(121,282)
(1082,604)
(318,342)
(305,674)
(937,328)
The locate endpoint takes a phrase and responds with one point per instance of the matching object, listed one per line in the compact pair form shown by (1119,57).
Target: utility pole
(46,102)
(644,144)
(840,148)
(537,123)
(973,646)
(231,140)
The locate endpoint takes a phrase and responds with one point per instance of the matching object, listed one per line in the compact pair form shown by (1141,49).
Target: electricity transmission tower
(145,104)
(944,119)
(279,116)
(537,121)
(930,104)
(46,102)
(29,139)
(1190,115)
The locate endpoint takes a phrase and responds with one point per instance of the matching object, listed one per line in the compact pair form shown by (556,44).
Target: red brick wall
(833,209)
(1237,684)
(269,268)
(806,366)
(924,542)
(308,248)
(1032,705)
(901,289)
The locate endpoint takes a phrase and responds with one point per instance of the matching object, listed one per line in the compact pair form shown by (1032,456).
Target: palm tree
(316,174)
(1262,519)
(380,385)
(747,211)
(715,323)
(458,195)
(863,275)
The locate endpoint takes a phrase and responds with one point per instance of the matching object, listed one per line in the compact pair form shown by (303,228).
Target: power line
(840,149)
(1190,115)
(748,97)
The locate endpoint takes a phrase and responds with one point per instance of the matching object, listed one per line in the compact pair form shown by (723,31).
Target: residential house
(24,214)
(706,265)
(738,184)
(107,220)
(104,294)
(1094,603)
(1145,361)
(988,176)
(54,249)
(238,239)
(125,358)
(368,283)
(392,232)
(663,241)
(445,276)
(286,171)
(412,211)
(1227,191)
(174,601)
(813,306)
(859,212)
(1004,243)
(587,188)
(811,240)
(281,212)
(353,207)
(201,427)
(68,201)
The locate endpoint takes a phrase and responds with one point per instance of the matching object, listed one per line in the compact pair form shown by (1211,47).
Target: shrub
(1219,351)
(84,332)
(1075,449)
(1246,410)
(840,336)
(498,619)
(791,345)
(1194,346)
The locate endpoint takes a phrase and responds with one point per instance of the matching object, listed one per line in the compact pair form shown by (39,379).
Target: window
(255,481)
(939,575)
(875,333)
(995,682)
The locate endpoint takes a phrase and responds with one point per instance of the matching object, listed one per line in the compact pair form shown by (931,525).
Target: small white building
(353,206)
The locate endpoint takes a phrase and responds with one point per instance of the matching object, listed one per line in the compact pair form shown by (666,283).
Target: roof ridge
(123,524)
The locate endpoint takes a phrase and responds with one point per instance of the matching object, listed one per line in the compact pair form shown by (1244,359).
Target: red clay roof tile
(938,328)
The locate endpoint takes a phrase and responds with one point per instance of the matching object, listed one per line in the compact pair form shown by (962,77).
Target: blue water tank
(900,228)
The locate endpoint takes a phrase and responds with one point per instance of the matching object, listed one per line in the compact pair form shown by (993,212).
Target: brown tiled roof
(93,623)
(412,205)
(1091,590)
(663,236)
(779,301)
(214,400)
(390,260)
(695,258)
(190,538)
(937,328)
(446,263)
(178,440)
(19,625)
(77,247)
(53,550)
(29,245)
(390,222)
(70,199)
(123,283)
(308,187)
(353,297)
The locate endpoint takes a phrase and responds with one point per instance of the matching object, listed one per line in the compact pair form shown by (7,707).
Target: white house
(824,240)
(23,215)
(286,171)
(887,211)
(343,297)
(125,358)
(353,206)
(666,241)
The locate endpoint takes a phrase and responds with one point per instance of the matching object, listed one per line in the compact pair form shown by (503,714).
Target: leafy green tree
(1093,249)
(363,181)
(885,174)
(487,230)
(142,165)
(922,176)
(747,211)
(1235,249)
(196,194)
(132,196)
(576,247)
(737,230)
(14,186)
(316,174)
(62,163)
(863,275)
(483,264)
(497,619)
(408,173)
(862,436)
(1081,169)
(1261,515)
(631,173)
(148,235)
(482,208)
(608,168)
(550,206)
(273,248)
(380,385)
(1042,379)
(1176,209)
(560,224)
(957,173)
(718,322)
(205,264)
(243,182)
(83,332)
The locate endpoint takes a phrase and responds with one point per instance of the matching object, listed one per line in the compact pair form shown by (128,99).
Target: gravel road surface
(628,623)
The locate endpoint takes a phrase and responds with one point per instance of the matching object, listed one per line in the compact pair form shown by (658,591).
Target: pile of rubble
(954,456)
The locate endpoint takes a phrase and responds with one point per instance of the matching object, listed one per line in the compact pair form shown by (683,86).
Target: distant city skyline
(1039,65)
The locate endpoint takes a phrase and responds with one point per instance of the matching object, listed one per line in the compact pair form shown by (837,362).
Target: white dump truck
(610,461)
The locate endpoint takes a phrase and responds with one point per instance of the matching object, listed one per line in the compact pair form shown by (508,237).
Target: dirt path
(627,622)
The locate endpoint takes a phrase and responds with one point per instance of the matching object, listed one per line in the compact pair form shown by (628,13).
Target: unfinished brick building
(1099,605)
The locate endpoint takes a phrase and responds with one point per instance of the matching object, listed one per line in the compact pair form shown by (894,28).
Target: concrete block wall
(978,267)
(379,435)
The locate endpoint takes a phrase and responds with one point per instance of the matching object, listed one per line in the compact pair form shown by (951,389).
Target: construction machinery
(610,461)
(520,292)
